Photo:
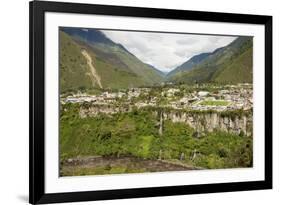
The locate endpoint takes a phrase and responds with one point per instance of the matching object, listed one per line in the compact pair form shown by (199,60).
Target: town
(203,97)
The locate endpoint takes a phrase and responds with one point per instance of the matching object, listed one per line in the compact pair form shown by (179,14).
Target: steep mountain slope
(114,54)
(161,73)
(87,35)
(239,71)
(74,72)
(188,65)
(224,65)
(81,68)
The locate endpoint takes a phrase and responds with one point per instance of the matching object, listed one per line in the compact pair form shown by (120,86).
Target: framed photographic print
(140,102)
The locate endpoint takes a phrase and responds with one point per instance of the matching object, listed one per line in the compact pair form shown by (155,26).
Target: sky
(166,51)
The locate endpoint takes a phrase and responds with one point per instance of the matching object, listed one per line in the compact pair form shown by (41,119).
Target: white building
(203,93)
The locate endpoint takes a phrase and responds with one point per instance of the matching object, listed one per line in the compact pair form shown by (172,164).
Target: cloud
(187,41)
(165,51)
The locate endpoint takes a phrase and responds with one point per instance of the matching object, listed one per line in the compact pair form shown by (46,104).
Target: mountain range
(114,65)
(89,60)
(188,65)
(229,64)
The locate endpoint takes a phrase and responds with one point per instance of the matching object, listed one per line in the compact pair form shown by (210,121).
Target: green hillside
(230,64)
(114,77)
(74,72)
(131,63)
(109,65)
(239,71)
(115,67)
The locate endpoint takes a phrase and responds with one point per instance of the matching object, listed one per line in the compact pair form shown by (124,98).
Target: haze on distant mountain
(166,51)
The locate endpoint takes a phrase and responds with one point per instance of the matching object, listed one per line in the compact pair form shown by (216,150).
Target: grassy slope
(226,63)
(150,75)
(204,71)
(112,77)
(239,71)
(147,73)
(75,73)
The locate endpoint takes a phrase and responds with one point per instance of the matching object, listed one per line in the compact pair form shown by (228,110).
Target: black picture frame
(37,9)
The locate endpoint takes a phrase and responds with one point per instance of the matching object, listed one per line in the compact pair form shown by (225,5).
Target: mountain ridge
(189,64)
(209,68)
(117,67)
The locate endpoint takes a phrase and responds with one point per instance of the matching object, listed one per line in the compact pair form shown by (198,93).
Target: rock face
(214,121)
(237,123)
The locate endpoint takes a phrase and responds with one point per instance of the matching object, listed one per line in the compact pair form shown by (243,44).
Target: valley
(156,126)
(120,115)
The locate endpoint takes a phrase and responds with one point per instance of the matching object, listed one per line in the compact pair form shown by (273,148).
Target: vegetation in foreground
(135,134)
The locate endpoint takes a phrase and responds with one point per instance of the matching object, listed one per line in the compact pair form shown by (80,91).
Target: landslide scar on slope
(89,60)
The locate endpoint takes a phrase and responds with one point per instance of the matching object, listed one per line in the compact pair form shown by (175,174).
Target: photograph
(133,101)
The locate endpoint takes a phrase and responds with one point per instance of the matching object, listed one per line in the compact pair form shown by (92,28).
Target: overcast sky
(166,51)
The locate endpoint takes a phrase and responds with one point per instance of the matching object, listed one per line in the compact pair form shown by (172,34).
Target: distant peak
(88,35)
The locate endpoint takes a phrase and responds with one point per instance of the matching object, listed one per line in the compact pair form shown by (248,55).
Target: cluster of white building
(233,97)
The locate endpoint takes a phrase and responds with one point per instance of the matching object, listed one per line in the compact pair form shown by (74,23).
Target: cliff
(213,121)
(237,122)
